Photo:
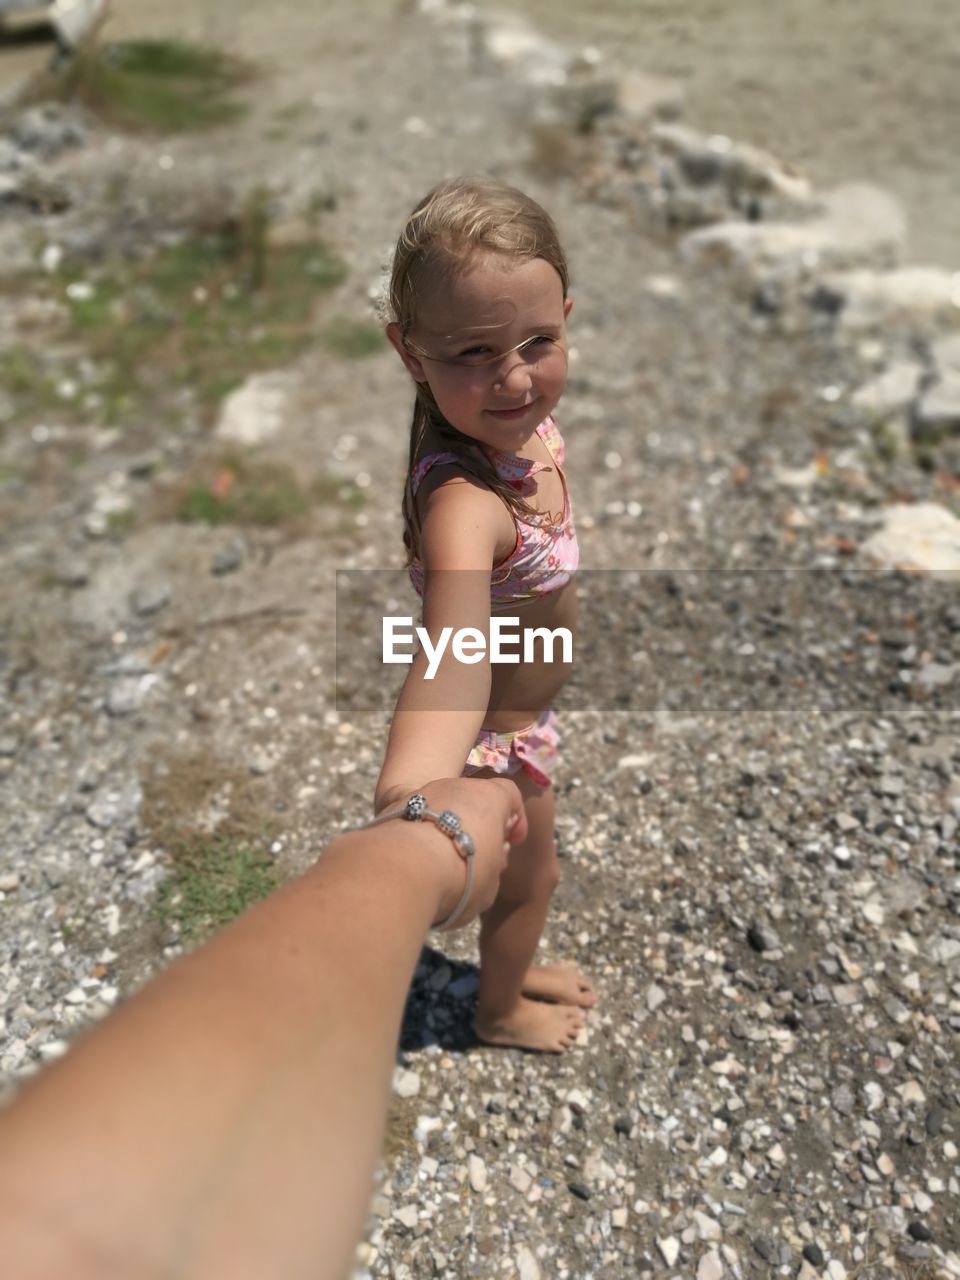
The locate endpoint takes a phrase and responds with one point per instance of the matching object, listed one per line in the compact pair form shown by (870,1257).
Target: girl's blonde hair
(450,224)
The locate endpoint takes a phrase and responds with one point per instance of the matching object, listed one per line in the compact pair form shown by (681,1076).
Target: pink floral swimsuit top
(545,554)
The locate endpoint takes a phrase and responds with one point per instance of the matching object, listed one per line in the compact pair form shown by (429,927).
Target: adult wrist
(417,811)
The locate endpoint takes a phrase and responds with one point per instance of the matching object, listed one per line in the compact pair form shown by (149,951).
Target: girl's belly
(520,691)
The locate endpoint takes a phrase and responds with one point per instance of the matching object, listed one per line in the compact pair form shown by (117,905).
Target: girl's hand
(491,811)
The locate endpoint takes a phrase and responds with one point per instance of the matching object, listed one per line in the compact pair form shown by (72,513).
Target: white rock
(873,912)
(619,1218)
(669,1249)
(893,389)
(946,353)
(577,1100)
(256,411)
(520,1180)
(477,1173)
(912,1093)
(860,224)
(939,409)
(877,297)
(9,882)
(408,1216)
(836,1270)
(873,1096)
(527,1265)
(710,1266)
(655,997)
(921,535)
(514,43)
(707,1228)
(406,1084)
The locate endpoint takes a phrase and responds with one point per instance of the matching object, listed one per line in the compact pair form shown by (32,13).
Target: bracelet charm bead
(415,810)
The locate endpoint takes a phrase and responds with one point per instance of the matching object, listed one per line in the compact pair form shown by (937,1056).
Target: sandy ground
(865,89)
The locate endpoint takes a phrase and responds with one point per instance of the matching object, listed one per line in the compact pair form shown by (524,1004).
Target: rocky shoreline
(760,869)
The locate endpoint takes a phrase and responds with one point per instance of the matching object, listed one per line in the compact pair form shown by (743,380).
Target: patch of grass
(214,879)
(354,339)
(246,491)
(199,315)
(243,491)
(164,86)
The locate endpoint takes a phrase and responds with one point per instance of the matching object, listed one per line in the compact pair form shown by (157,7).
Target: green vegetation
(246,491)
(180,327)
(214,878)
(165,86)
(354,339)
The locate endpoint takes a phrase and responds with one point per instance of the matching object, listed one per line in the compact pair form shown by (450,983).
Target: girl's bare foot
(561,983)
(550,1028)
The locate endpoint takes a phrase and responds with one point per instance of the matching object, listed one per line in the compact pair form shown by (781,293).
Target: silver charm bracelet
(415,810)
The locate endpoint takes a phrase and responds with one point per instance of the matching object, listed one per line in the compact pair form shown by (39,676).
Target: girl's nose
(513,374)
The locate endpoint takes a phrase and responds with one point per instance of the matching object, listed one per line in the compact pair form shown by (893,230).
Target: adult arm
(225,1122)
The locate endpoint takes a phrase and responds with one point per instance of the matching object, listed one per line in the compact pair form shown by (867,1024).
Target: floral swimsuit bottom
(533,749)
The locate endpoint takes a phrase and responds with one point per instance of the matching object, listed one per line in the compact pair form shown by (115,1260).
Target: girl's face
(490,342)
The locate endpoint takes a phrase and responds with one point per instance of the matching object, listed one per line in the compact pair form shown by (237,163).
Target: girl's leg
(509,933)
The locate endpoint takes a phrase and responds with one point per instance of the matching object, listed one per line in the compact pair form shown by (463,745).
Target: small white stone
(527,1265)
(477,1173)
(76,996)
(9,882)
(655,997)
(408,1216)
(707,1228)
(922,1202)
(710,1266)
(669,1249)
(406,1084)
(911,1092)
(873,1096)
(520,1180)
(836,1270)
(886,1165)
(53,1049)
(873,912)
(618,1219)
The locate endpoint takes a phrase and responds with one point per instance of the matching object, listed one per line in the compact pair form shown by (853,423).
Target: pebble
(150,597)
(406,1084)
(477,1173)
(762,938)
(710,1266)
(580,1190)
(669,1249)
(813,1254)
(655,997)
(527,1266)
(707,1228)
(9,882)
(228,559)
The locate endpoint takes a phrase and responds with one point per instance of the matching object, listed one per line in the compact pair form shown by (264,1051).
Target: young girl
(478,296)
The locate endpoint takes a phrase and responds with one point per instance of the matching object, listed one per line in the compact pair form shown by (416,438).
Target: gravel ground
(760,791)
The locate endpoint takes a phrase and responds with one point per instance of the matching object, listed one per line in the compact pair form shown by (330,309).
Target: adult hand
(491,811)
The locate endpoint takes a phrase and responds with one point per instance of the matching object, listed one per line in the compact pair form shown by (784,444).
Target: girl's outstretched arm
(224,1123)
(436,720)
